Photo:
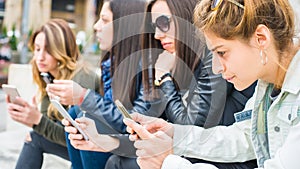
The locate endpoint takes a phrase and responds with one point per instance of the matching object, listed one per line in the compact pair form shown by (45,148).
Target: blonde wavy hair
(60,43)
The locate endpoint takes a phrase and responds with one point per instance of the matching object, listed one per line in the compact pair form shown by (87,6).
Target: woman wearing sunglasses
(250,41)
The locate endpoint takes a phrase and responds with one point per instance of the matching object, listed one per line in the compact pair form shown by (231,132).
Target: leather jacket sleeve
(210,100)
(126,148)
(206,96)
(106,111)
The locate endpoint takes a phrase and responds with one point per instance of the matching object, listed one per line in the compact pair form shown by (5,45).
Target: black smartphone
(47,77)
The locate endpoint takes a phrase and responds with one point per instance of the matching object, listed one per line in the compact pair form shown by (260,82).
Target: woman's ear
(263,36)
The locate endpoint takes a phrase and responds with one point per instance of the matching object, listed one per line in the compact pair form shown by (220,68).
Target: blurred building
(2,8)
(81,14)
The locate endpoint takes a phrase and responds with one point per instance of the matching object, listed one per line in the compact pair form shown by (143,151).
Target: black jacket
(211,101)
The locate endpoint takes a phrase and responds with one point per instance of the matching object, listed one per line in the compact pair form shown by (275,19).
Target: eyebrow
(215,48)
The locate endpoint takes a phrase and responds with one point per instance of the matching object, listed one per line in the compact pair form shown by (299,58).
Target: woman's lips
(40,65)
(166,45)
(229,78)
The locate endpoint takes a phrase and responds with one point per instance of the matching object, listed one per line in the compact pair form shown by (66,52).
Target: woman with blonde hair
(54,52)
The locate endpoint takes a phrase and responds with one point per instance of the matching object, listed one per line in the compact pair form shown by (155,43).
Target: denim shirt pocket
(288,114)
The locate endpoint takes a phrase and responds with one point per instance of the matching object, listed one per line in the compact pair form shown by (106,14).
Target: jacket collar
(290,83)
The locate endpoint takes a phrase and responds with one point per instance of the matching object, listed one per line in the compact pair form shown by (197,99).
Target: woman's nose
(217,66)
(158,34)
(97,25)
(40,55)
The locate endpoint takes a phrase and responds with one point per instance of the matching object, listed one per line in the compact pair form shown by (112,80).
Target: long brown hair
(189,46)
(60,43)
(125,51)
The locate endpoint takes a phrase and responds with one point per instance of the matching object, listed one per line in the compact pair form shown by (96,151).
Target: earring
(58,63)
(263,59)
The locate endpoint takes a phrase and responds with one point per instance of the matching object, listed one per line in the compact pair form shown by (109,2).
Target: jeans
(81,159)
(31,156)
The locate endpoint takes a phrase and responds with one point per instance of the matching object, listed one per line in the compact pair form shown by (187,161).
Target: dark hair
(127,24)
(188,45)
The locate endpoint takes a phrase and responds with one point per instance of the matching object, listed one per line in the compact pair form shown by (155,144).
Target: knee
(31,136)
(113,162)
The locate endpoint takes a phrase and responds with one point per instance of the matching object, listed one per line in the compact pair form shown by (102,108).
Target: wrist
(160,72)
(108,145)
(81,98)
(165,77)
(38,120)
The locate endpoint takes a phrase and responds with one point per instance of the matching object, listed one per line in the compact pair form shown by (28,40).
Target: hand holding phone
(66,115)
(12,92)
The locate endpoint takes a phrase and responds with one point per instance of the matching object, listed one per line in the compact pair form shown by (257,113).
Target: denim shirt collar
(289,84)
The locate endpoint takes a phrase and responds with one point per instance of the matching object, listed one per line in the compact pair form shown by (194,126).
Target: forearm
(176,162)
(220,144)
(125,148)
(118,144)
(105,143)
(205,100)
(176,110)
(104,111)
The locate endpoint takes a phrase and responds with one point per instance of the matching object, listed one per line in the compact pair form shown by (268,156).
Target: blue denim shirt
(281,116)
(275,140)
(106,78)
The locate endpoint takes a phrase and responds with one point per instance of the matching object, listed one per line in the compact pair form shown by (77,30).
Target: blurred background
(19,18)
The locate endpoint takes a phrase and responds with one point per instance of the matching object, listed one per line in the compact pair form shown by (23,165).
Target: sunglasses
(216,3)
(162,23)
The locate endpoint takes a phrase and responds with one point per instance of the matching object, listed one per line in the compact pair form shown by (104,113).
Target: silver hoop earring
(263,57)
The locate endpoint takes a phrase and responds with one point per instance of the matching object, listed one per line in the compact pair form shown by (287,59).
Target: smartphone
(122,109)
(47,77)
(66,115)
(12,92)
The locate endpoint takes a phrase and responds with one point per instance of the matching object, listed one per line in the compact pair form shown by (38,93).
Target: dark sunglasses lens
(163,23)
